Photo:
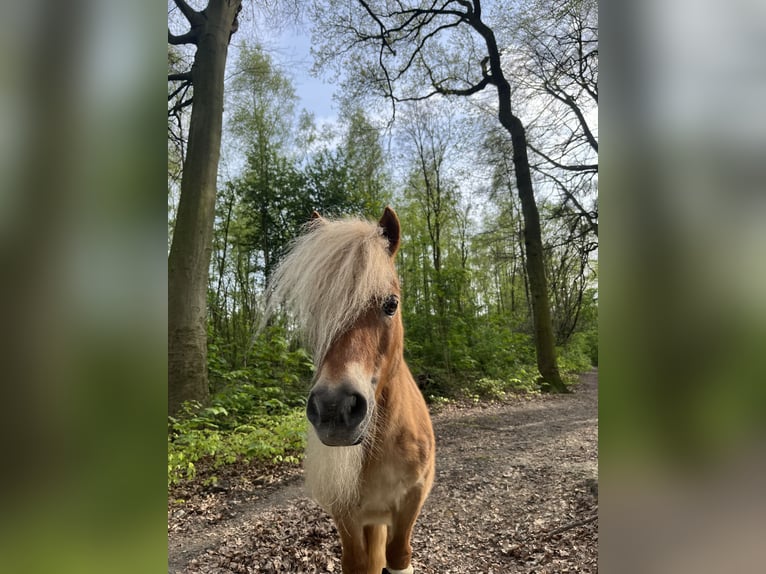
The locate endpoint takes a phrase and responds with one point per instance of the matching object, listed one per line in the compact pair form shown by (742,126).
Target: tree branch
(430,94)
(179,89)
(485,81)
(422,43)
(409,24)
(179,106)
(191,14)
(189,37)
(235,22)
(180,77)
(383,31)
(465,4)
(569,101)
(477,9)
(586,167)
(582,212)
(413,13)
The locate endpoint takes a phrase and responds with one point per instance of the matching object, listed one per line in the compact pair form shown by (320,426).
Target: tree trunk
(533,243)
(219,309)
(541,309)
(192,238)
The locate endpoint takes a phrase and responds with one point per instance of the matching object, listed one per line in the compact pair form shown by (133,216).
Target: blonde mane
(329,277)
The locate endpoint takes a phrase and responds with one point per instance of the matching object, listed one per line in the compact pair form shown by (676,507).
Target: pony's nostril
(312,410)
(353,409)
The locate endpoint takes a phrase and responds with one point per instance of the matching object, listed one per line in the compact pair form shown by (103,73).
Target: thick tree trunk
(192,237)
(541,309)
(533,244)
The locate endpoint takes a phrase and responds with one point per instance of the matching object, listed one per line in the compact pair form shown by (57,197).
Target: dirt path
(516,491)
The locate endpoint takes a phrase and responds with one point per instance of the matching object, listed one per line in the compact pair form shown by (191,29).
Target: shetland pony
(370,454)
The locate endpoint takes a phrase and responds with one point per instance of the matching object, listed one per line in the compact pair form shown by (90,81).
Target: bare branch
(571,525)
(485,81)
(582,212)
(383,31)
(179,106)
(191,14)
(477,9)
(593,167)
(570,102)
(421,44)
(413,13)
(180,77)
(183,87)
(466,4)
(189,37)
(181,101)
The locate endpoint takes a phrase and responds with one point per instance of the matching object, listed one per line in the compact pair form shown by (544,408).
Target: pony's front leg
(398,549)
(358,544)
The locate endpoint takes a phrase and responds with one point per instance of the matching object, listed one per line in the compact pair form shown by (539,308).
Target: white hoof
(408,570)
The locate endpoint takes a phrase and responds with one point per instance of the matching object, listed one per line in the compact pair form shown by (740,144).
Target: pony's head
(340,283)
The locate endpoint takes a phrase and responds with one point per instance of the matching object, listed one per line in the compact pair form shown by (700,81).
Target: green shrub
(523,379)
(591,343)
(256,411)
(438,401)
(575,357)
(206,434)
(490,389)
(272,370)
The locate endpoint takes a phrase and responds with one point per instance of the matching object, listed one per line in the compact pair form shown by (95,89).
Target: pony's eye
(390,305)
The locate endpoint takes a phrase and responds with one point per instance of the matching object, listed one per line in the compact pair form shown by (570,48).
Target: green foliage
(500,362)
(264,100)
(491,360)
(271,369)
(219,436)
(256,411)
(591,342)
(523,381)
(491,389)
(576,356)
(589,325)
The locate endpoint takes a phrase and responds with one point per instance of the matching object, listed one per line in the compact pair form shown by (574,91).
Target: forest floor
(516,490)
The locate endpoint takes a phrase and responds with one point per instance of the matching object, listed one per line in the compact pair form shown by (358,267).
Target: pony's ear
(391,230)
(315,215)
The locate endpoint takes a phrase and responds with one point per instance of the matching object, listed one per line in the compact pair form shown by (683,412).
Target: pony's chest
(384,488)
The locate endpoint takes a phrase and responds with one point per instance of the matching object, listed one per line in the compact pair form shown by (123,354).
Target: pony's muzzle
(339,414)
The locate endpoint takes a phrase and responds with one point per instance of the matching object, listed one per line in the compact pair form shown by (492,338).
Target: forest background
(446,166)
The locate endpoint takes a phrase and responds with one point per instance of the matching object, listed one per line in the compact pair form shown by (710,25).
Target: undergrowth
(256,413)
(213,435)
(266,422)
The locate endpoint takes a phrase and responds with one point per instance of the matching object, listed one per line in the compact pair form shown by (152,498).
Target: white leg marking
(408,570)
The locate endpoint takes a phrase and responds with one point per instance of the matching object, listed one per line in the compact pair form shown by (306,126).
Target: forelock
(330,275)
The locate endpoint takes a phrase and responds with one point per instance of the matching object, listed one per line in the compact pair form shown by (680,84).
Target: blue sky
(288,42)
(291,48)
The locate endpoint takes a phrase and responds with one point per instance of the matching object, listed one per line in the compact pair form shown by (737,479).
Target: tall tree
(363,154)
(403,55)
(427,138)
(262,120)
(210,31)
